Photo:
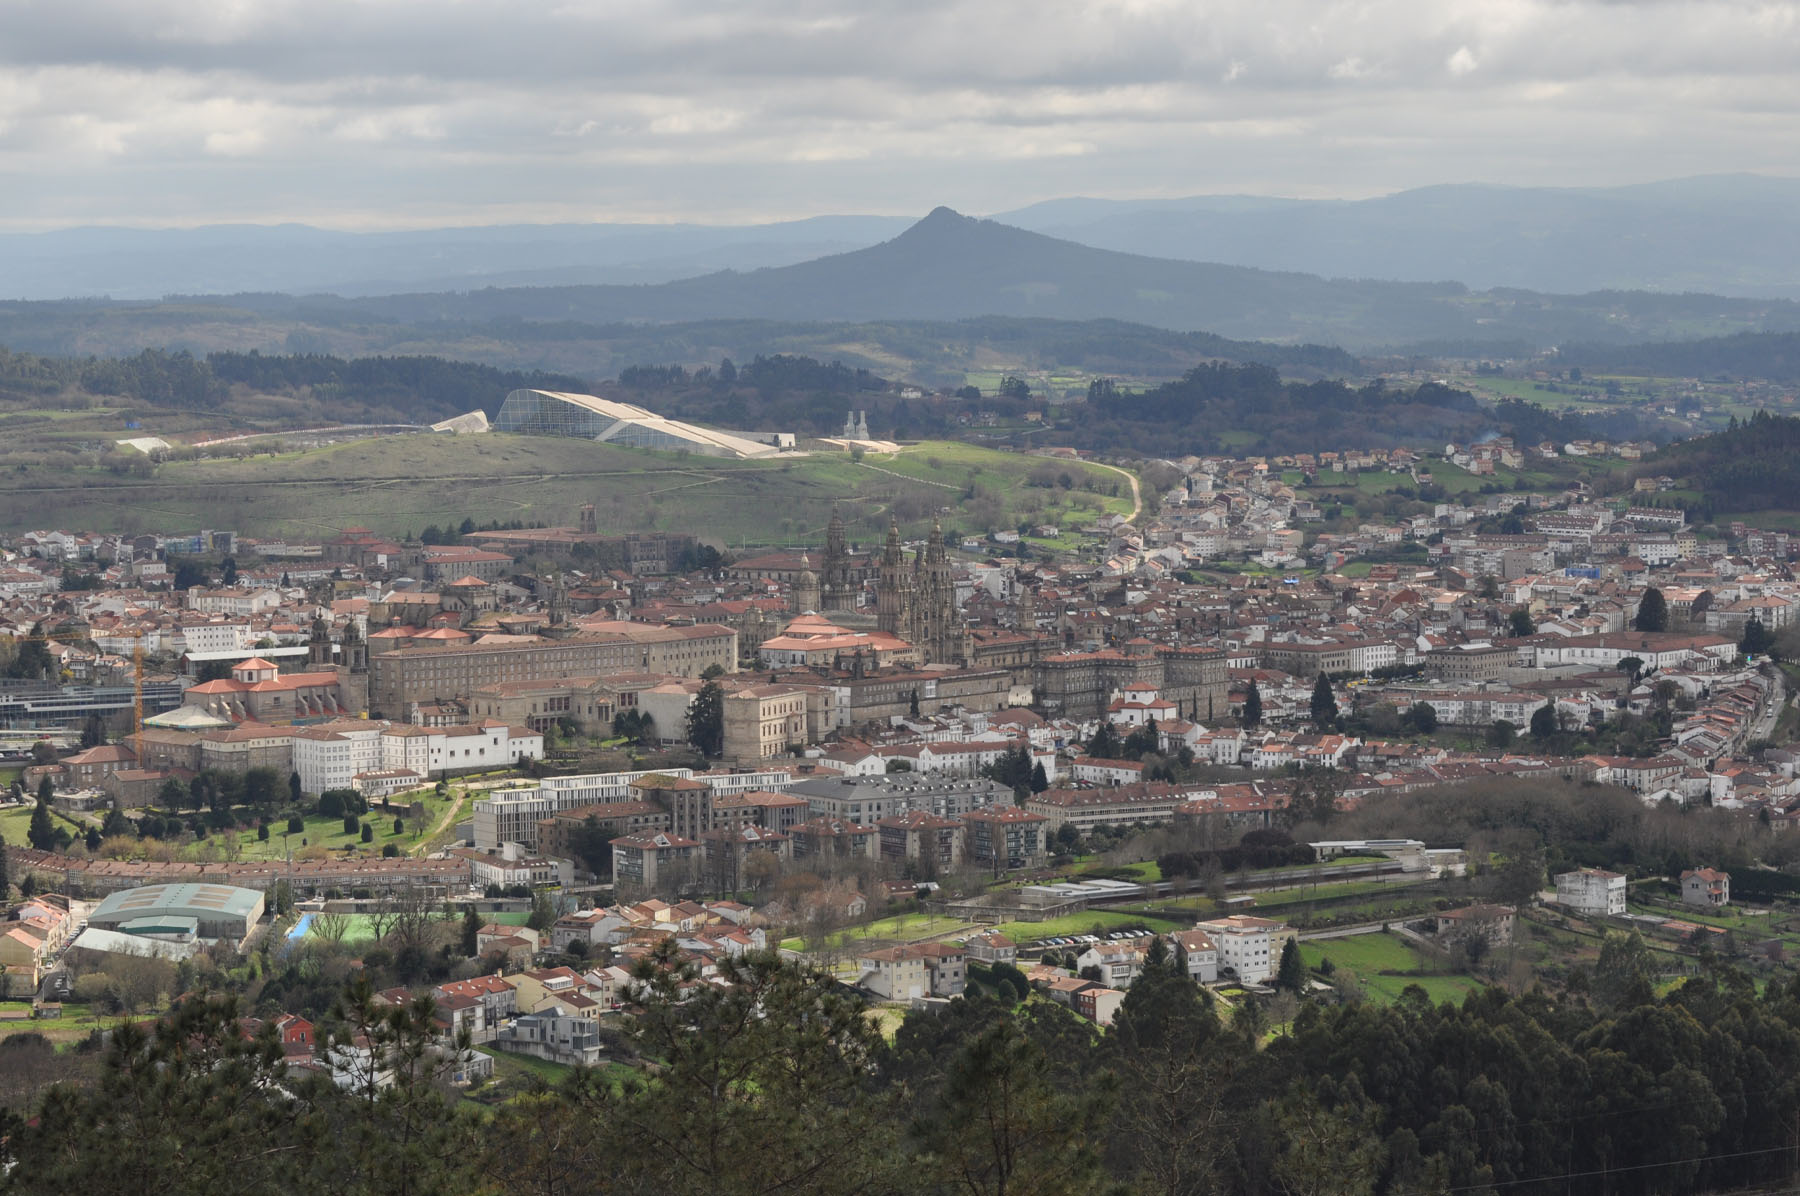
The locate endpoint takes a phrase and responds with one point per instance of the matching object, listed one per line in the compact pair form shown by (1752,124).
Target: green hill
(397,484)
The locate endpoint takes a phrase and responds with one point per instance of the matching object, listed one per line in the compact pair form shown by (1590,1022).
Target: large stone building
(1082,684)
(398,680)
(918,603)
(764,721)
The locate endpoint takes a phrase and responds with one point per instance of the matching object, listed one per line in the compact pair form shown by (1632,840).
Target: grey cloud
(401,112)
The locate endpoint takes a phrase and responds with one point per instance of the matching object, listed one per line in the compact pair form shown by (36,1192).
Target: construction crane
(137,681)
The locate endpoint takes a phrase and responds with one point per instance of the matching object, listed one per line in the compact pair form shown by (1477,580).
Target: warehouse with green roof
(181,913)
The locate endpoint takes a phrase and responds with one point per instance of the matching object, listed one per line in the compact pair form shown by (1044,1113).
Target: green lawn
(399,484)
(508,1066)
(1379,963)
(1353,888)
(15,824)
(1087,922)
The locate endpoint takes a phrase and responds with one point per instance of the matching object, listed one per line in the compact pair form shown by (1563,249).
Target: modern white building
(1249,947)
(1592,891)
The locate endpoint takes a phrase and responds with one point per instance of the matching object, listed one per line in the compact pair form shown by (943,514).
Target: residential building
(1592,891)
(1707,888)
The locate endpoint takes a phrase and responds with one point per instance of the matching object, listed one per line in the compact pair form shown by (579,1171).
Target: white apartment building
(330,755)
(1248,946)
(1592,891)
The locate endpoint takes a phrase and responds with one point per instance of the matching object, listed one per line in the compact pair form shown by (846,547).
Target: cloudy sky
(420,113)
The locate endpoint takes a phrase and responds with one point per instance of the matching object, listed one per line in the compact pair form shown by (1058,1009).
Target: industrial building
(558,413)
(181,912)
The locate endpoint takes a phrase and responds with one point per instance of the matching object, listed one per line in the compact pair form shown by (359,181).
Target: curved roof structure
(558,413)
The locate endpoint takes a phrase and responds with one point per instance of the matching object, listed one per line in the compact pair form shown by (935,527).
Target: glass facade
(543,413)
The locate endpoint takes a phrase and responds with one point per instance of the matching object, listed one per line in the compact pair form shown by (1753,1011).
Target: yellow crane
(137,682)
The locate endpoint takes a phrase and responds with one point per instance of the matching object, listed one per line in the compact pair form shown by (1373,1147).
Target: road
(1764,727)
(1137,495)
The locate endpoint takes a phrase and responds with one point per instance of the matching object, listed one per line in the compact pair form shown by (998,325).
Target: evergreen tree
(1105,745)
(1324,704)
(706,720)
(1252,706)
(1039,780)
(1652,612)
(41,834)
(93,731)
(294,791)
(543,914)
(1544,722)
(1757,639)
(471,933)
(1290,975)
(368,832)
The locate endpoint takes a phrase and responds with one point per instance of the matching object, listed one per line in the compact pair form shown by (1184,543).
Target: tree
(93,731)
(228,571)
(1324,704)
(1422,717)
(706,720)
(1039,780)
(399,825)
(351,824)
(1290,975)
(368,832)
(294,791)
(1502,733)
(764,1086)
(1544,722)
(543,913)
(1652,613)
(1002,1125)
(5,876)
(1632,667)
(912,705)
(1105,745)
(471,933)
(1520,623)
(41,834)
(1757,639)
(1252,706)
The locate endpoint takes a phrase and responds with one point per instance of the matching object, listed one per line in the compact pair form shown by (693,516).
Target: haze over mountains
(1724,234)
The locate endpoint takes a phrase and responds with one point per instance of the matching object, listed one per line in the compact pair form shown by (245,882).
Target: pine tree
(1290,975)
(1324,704)
(471,933)
(42,832)
(1252,706)
(706,720)
(1652,612)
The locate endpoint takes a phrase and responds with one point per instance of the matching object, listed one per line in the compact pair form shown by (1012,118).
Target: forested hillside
(1250,409)
(416,389)
(1750,466)
(1771,356)
(776,1080)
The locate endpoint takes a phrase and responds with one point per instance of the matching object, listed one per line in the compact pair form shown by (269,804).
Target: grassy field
(1380,963)
(16,822)
(327,832)
(899,928)
(396,484)
(1312,893)
(1087,922)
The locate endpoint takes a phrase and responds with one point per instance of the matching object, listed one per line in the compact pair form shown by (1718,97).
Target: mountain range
(1724,234)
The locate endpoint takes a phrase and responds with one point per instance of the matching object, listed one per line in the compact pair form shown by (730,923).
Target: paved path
(1137,495)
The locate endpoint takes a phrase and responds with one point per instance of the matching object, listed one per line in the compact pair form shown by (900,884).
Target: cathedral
(918,603)
(837,586)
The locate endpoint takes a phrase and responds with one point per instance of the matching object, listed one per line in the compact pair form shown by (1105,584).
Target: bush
(388,851)
(351,824)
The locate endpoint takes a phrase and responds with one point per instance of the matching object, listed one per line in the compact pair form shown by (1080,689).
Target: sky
(408,114)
